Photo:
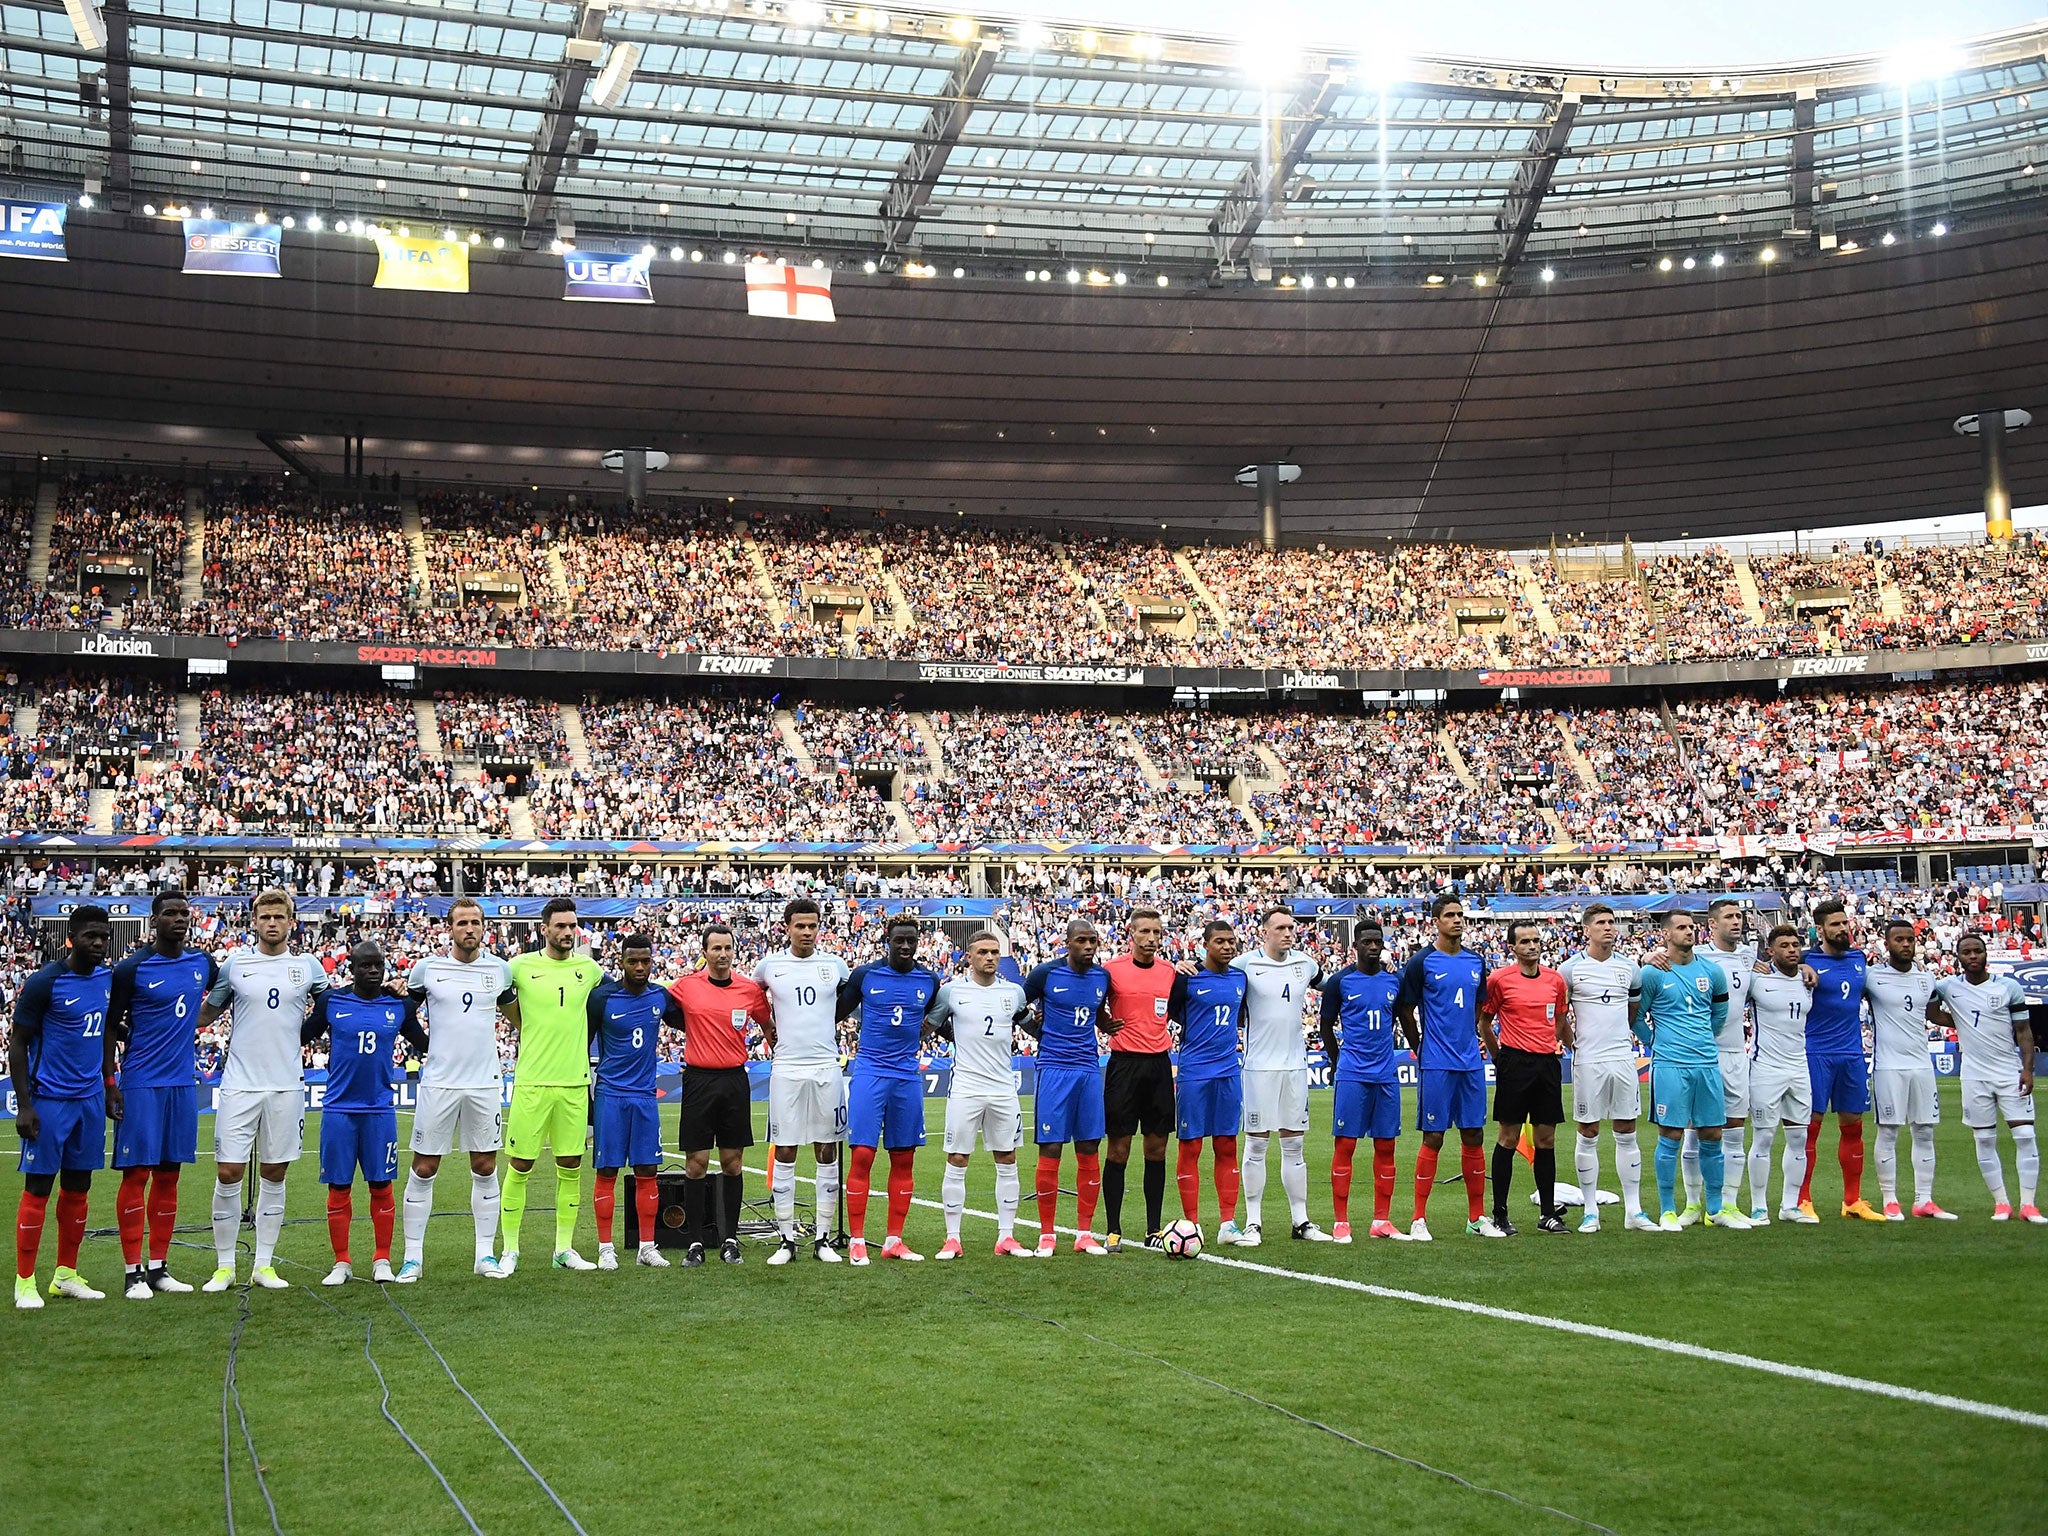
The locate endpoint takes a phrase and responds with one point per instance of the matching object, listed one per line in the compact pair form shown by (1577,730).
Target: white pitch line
(1649,1341)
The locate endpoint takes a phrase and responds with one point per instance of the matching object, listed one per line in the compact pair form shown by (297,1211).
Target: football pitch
(1845,1377)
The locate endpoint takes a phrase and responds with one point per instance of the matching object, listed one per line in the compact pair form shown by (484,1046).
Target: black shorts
(717,1111)
(1528,1086)
(1137,1093)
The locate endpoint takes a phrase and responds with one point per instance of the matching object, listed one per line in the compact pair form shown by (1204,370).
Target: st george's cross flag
(783,292)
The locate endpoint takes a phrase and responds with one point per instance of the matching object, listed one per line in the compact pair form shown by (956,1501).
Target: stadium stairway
(428,726)
(906,830)
(1574,756)
(1095,609)
(1148,769)
(558,577)
(1889,604)
(192,578)
(519,818)
(38,571)
(1745,586)
(572,734)
(101,811)
(27,718)
(1276,772)
(1532,594)
(899,605)
(793,739)
(416,548)
(1552,820)
(762,579)
(1455,758)
(188,724)
(1201,589)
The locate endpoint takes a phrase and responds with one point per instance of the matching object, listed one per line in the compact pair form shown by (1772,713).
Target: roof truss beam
(905,201)
(1262,187)
(1517,219)
(120,103)
(558,126)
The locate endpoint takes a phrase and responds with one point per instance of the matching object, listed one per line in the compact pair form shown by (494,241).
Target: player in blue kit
(1437,1008)
(1358,1036)
(359,1115)
(1070,995)
(1834,1056)
(1679,1018)
(153,1016)
(1209,1007)
(885,1095)
(57,1057)
(626,1018)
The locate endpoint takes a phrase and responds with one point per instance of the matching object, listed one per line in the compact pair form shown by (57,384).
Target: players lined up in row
(1733,1038)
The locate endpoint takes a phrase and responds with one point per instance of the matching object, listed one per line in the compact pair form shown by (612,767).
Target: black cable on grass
(231,1389)
(1289,1413)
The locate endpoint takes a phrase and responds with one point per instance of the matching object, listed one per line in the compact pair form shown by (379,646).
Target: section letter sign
(606,277)
(34,231)
(222,249)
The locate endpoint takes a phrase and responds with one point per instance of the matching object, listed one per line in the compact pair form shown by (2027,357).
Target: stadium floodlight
(313,222)
(1717,259)
(1073,276)
(1549,274)
(617,74)
(730,258)
(86,24)
(1767,255)
(1664,264)
(1688,263)
(206,213)
(85,199)
(869,268)
(1940,228)
(806,13)
(1921,62)
(696,255)
(1032,36)
(497,242)
(1889,239)
(1162,280)
(1271,58)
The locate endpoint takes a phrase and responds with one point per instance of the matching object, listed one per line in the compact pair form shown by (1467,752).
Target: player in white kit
(462,1085)
(262,1111)
(1902,1086)
(1737,960)
(1989,1016)
(980,1012)
(806,1084)
(1780,1083)
(1279,980)
(1602,988)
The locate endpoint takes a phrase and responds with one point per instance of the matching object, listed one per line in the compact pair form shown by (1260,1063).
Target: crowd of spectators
(1601,620)
(284,567)
(132,515)
(80,711)
(664,580)
(869,739)
(498,727)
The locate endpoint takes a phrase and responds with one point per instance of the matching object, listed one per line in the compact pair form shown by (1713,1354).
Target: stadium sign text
(1829,666)
(997,672)
(737,666)
(1564,677)
(1309,680)
(427,656)
(115,645)
(2037,653)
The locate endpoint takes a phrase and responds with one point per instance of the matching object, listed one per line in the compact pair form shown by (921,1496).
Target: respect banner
(218,248)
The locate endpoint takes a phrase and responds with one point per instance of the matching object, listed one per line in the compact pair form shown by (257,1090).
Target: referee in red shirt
(1518,1014)
(1138,1089)
(719,1006)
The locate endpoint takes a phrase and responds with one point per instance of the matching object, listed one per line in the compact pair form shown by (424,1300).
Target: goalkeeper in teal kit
(1679,1020)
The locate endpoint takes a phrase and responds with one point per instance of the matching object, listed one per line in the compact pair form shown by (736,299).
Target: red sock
(70,1226)
(604,1196)
(383,1210)
(28,1231)
(647,1202)
(1474,1161)
(857,1191)
(1340,1178)
(1187,1176)
(1089,1166)
(1048,1195)
(1227,1180)
(1383,1179)
(1850,1150)
(1425,1178)
(130,1202)
(1812,1145)
(163,1213)
(341,1210)
(902,1181)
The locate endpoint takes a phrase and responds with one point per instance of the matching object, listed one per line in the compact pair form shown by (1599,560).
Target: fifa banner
(597,277)
(33,231)
(426,266)
(220,249)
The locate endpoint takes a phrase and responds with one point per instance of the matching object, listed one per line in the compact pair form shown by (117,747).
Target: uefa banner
(424,266)
(32,231)
(218,248)
(599,277)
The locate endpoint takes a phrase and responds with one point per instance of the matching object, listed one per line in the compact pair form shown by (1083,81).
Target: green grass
(832,1398)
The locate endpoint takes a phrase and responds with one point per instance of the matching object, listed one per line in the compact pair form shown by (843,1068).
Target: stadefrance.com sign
(32,231)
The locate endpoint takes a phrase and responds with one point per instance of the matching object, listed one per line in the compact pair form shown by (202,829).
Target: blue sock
(1713,1166)
(1667,1173)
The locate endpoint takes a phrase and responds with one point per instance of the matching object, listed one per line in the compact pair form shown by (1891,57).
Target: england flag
(783,292)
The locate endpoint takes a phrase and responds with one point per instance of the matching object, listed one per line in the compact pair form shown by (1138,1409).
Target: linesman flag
(783,292)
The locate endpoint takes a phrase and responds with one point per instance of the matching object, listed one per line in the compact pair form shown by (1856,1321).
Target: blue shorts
(1452,1097)
(1682,1095)
(158,1125)
(1840,1083)
(1208,1106)
(358,1138)
(1067,1105)
(1367,1110)
(884,1111)
(72,1134)
(628,1130)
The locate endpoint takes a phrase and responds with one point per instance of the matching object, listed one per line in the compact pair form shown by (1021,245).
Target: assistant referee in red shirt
(1138,1090)
(1518,1014)
(720,1006)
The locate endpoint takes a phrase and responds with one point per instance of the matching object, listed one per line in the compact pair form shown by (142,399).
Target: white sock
(227,1221)
(1734,1163)
(828,1198)
(2027,1154)
(419,1205)
(1254,1174)
(1689,1168)
(1006,1199)
(1888,1163)
(269,1218)
(1987,1163)
(782,1184)
(953,1196)
(1923,1163)
(1795,1166)
(1586,1158)
(1628,1167)
(1761,1135)
(1294,1178)
(484,1206)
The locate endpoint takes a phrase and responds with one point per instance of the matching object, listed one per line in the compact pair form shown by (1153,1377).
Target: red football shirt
(1525,1008)
(716,1018)
(1137,1000)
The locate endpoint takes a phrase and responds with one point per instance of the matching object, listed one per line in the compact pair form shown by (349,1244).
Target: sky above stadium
(1731,34)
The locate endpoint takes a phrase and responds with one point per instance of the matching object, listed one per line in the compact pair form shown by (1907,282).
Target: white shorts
(1275,1100)
(1735,1084)
(269,1124)
(1985,1104)
(806,1106)
(1905,1096)
(1780,1095)
(478,1114)
(995,1117)
(1605,1090)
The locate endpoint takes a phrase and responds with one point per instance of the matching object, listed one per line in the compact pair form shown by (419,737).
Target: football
(1181,1240)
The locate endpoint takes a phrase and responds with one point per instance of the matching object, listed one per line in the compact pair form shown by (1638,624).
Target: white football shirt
(460,1011)
(1779,1005)
(1599,992)
(984,1024)
(1739,966)
(270,995)
(1984,1013)
(1276,991)
(1898,1017)
(803,996)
